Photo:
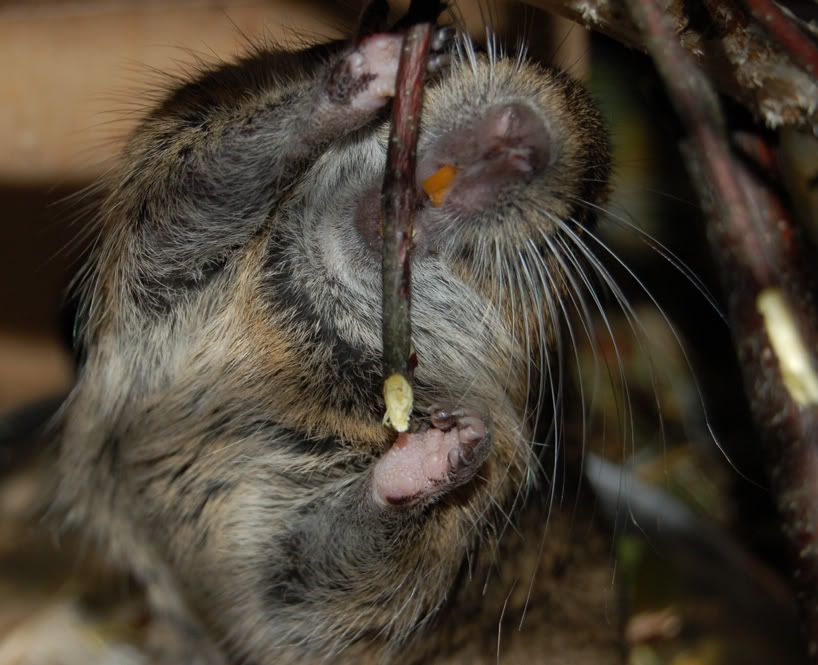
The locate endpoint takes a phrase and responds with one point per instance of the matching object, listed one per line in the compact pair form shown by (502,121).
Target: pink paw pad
(424,464)
(379,56)
(365,78)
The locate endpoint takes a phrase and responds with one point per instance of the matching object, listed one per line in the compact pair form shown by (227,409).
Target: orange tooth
(438,184)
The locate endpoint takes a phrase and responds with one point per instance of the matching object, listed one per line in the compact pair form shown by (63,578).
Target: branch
(735,51)
(399,198)
(785,32)
(769,290)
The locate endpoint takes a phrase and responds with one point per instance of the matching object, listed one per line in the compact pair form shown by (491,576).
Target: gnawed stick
(399,199)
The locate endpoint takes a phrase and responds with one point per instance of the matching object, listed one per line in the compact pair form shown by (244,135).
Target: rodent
(225,439)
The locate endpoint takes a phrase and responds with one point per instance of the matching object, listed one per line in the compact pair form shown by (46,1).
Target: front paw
(365,77)
(425,465)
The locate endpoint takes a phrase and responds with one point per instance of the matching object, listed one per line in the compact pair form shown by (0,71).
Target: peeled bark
(734,49)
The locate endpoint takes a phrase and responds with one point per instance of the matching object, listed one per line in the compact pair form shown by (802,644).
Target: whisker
(556,395)
(633,320)
(573,294)
(662,250)
(631,317)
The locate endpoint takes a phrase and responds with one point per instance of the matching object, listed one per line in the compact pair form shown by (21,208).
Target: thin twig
(399,199)
(788,35)
(735,51)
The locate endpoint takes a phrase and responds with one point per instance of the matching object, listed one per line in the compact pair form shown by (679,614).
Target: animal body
(225,439)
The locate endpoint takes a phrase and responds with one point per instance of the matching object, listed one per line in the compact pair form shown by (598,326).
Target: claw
(442,38)
(470,430)
(438,63)
(374,18)
(442,420)
(421,11)
(455,458)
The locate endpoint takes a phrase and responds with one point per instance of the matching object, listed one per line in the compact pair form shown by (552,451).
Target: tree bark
(770,293)
(735,50)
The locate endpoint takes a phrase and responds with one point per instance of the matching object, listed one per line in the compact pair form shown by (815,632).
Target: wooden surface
(75,74)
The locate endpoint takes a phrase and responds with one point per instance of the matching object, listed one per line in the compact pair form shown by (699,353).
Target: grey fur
(222,435)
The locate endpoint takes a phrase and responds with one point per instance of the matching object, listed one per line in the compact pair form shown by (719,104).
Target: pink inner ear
(414,466)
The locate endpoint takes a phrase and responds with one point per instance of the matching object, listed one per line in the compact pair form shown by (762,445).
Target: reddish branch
(756,247)
(737,53)
(399,199)
(786,34)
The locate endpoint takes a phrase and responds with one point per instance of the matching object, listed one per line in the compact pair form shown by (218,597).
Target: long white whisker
(573,294)
(556,395)
(628,422)
(662,250)
(634,320)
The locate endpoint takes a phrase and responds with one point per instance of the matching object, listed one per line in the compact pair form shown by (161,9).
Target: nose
(509,143)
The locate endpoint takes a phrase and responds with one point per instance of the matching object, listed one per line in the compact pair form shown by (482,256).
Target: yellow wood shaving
(397,395)
(797,368)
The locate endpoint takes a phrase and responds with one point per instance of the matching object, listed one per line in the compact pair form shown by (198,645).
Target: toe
(470,430)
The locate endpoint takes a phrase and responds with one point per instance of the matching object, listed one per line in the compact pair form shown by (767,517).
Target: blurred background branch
(767,73)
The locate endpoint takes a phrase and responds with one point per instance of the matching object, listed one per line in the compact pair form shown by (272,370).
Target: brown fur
(222,435)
